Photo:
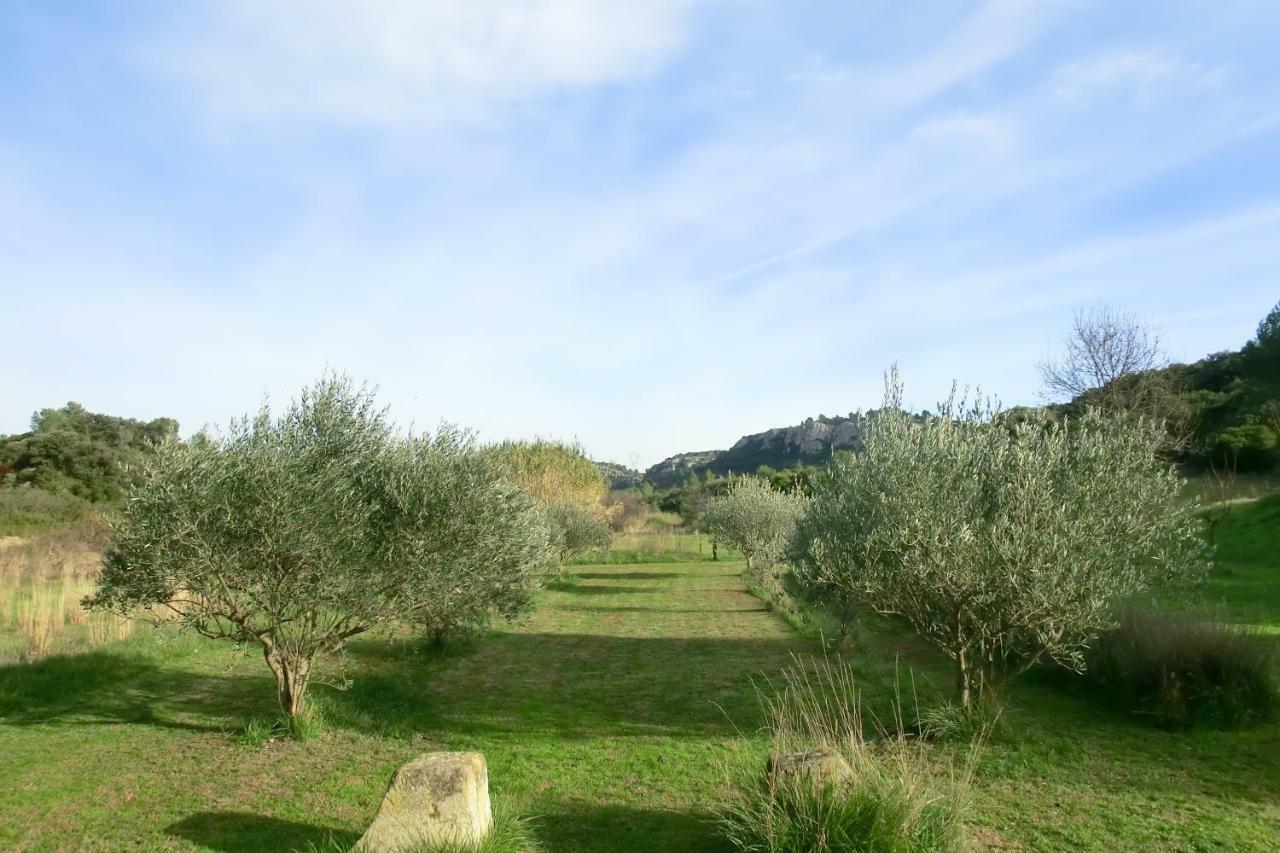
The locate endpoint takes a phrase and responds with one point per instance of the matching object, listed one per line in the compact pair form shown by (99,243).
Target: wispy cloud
(395,61)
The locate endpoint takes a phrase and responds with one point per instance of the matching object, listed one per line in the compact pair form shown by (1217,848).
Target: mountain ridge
(809,442)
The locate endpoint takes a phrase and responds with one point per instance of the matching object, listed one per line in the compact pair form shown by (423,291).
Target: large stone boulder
(438,798)
(822,768)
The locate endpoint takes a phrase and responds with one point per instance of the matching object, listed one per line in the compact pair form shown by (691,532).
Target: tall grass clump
(107,628)
(42,579)
(39,619)
(884,793)
(1183,671)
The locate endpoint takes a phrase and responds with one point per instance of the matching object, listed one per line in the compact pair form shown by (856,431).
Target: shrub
(26,509)
(897,797)
(1248,447)
(298,533)
(575,529)
(628,511)
(998,542)
(1184,671)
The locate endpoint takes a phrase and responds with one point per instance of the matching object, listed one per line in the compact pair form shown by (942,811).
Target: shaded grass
(1181,670)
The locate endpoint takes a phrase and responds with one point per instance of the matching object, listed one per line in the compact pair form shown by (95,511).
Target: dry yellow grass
(43,579)
(108,628)
(38,616)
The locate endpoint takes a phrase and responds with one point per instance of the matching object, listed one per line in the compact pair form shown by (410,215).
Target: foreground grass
(608,716)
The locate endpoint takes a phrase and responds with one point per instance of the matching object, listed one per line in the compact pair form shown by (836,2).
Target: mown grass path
(609,714)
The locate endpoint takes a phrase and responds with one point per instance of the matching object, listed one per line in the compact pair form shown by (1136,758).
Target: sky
(648,227)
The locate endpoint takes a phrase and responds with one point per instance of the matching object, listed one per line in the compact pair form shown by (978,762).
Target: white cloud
(995,31)
(1132,73)
(389,61)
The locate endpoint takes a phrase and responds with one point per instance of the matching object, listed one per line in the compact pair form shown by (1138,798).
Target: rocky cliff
(807,443)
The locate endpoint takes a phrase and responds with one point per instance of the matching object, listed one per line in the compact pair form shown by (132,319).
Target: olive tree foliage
(301,531)
(756,519)
(1000,542)
(574,529)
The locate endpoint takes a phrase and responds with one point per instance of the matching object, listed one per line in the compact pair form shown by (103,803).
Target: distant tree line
(1222,411)
(73,451)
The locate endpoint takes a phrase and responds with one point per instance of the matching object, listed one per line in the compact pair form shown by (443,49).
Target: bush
(575,529)
(1183,671)
(1248,447)
(628,511)
(897,798)
(26,509)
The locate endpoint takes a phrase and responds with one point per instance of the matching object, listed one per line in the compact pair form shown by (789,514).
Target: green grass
(665,546)
(1245,582)
(609,717)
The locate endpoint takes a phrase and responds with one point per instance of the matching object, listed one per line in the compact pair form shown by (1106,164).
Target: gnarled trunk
(291,672)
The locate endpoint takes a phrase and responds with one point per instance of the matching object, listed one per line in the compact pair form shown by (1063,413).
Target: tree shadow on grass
(105,687)
(240,831)
(606,608)
(567,686)
(612,828)
(635,575)
(601,589)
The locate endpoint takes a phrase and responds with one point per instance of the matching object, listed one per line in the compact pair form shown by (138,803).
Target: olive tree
(756,519)
(298,532)
(1000,542)
(574,529)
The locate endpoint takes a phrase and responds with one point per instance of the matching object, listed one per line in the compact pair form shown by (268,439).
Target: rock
(810,442)
(438,798)
(822,767)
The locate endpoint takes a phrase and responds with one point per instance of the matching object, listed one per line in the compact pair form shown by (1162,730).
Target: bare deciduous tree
(1115,363)
(1103,347)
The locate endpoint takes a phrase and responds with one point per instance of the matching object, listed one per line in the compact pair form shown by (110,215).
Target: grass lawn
(609,716)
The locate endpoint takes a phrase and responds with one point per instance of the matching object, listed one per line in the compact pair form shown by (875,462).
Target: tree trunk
(291,672)
(964,681)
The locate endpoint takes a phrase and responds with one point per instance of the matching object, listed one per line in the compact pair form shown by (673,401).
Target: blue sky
(652,226)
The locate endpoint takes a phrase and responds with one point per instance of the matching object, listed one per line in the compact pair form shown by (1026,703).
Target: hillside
(1227,404)
(782,447)
(619,476)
